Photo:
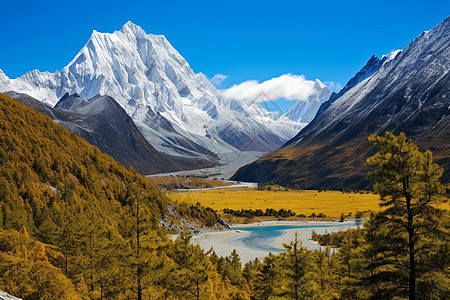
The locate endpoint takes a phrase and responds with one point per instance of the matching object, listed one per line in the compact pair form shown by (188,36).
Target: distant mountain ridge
(103,123)
(372,65)
(409,93)
(178,111)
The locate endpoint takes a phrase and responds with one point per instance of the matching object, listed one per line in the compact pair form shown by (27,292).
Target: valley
(331,204)
(127,175)
(228,164)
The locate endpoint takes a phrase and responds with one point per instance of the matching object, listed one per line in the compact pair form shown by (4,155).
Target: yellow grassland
(330,203)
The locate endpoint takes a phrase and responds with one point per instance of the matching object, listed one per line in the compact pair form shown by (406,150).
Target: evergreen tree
(295,266)
(144,240)
(250,272)
(322,269)
(268,279)
(408,183)
(193,269)
(234,270)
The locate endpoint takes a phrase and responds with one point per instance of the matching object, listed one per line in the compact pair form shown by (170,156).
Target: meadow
(330,203)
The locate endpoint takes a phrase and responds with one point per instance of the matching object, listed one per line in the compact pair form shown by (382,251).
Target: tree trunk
(139,288)
(198,290)
(66,256)
(412,261)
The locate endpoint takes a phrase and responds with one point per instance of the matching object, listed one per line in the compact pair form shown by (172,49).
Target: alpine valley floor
(330,203)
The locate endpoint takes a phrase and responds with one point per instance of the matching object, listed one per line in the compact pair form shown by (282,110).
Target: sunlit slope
(50,176)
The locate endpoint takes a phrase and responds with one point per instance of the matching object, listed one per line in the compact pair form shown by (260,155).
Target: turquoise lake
(260,237)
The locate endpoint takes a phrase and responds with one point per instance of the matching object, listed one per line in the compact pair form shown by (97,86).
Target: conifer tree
(145,240)
(295,266)
(408,183)
(234,270)
(268,278)
(250,272)
(193,268)
(323,269)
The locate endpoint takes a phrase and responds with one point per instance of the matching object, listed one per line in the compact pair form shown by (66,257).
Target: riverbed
(257,240)
(230,163)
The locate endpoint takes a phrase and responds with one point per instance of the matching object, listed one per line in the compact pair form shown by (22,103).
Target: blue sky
(329,40)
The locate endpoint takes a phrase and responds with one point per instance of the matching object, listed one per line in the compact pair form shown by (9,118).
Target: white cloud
(288,86)
(334,86)
(218,79)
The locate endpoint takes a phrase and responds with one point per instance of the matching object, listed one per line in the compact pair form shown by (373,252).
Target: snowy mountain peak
(305,110)
(178,111)
(318,84)
(396,72)
(391,55)
(133,29)
(409,94)
(4,80)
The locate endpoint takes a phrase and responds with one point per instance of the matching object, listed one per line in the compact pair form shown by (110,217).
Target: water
(238,184)
(260,237)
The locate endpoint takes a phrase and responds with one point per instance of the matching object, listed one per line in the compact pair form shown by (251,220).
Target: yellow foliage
(38,253)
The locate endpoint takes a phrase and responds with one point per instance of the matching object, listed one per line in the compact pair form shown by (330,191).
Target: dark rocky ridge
(103,122)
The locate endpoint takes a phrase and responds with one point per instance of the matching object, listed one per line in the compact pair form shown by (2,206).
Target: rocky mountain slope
(409,93)
(103,123)
(178,111)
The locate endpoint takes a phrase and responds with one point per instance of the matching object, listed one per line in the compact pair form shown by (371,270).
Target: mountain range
(135,97)
(178,111)
(406,91)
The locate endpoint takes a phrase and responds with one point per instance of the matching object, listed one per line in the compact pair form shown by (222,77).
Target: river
(257,240)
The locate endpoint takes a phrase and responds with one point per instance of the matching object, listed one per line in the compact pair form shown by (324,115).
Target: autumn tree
(144,238)
(268,279)
(193,269)
(322,270)
(411,224)
(295,266)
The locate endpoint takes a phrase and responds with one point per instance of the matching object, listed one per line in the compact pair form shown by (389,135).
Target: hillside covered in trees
(75,224)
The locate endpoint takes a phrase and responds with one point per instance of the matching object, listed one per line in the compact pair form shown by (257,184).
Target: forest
(75,224)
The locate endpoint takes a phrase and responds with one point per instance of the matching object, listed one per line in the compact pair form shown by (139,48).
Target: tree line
(74,224)
(269,212)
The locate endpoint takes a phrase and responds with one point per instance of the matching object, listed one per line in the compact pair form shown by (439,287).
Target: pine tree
(268,278)
(295,266)
(250,272)
(323,269)
(193,269)
(144,241)
(408,183)
(234,269)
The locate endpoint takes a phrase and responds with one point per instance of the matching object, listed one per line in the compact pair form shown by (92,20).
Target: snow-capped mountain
(305,110)
(178,111)
(372,65)
(407,91)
